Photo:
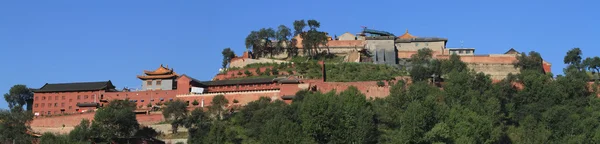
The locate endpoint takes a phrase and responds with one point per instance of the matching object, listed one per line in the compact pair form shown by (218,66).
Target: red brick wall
(54,102)
(183,85)
(147,96)
(248,87)
(243,98)
(75,119)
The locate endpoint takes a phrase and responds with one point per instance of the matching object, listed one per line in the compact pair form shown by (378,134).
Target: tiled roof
(420,39)
(407,35)
(80,86)
(159,71)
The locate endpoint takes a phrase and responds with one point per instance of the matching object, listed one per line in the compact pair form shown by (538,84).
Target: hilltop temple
(163,84)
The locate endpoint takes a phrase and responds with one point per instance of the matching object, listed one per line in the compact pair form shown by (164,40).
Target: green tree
(117,120)
(198,124)
(228,54)
(18,95)
(217,106)
(175,111)
(81,132)
(14,125)
(312,39)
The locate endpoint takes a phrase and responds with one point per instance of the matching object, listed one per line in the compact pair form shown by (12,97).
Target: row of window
(59,112)
(150,82)
(63,97)
(462,52)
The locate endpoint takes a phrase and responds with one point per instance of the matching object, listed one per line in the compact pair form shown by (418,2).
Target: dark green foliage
(14,125)
(81,132)
(348,72)
(267,71)
(117,120)
(176,111)
(217,106)
(18,95)
(228,54)
(239,73)
(275,71)
(50,138)
(257,71)
(195,103)
(247,73)
(380,83)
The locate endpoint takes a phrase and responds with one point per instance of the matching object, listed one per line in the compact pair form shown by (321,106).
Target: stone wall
(74,119)
(496,71)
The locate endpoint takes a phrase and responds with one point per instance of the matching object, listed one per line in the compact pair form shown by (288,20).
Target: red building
(158,86)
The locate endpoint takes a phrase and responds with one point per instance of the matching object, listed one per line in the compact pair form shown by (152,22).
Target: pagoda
(162,78)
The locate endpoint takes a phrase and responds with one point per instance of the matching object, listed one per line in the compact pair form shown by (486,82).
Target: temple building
(162,78)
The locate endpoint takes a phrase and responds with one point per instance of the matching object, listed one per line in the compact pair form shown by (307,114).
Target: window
(70,100)
(468,52)
(69,107)
(36,105)
(416,44)
(55,97)
(149,83)
(49,104)
(43,98)
(85,97)
(37,98)
(63,97)
(78,97)
(55,104)
(49,113)
(62,104)
(460,51)
(158,82)
(43,104)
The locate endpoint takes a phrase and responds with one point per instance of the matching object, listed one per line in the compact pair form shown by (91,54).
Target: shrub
(267,71)
(248,73)
(257,71)
(195,103)
(380,83)
(239,73)
(275,71)
(235,101)
(149,105)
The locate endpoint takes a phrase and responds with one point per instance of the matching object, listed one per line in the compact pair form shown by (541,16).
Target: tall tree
(82,131)
(283,40)
(533,62)
(573,57)
(299,26)
(228,54)
(198,124)
(18,95)
(117,120)
(14,125)
(175,111)
(217,106)
(313,39)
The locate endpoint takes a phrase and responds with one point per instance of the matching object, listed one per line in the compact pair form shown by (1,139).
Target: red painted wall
(54,102)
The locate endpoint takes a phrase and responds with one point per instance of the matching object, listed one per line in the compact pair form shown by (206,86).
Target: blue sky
(73,41)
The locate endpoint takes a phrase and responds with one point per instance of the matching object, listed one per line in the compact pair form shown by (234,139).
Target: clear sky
(73,41)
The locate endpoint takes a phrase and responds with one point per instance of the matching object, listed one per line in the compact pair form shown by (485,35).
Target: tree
(533,62)
(228,54)
(198,124)
(573,57)
(81,132)
(283,35)
(175,111)
(117,120)
(18,95)
(217,106)
(14,125)
(299,25)
(313,39)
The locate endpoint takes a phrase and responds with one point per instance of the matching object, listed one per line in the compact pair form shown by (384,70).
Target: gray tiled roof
(420,39)
(79,86)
